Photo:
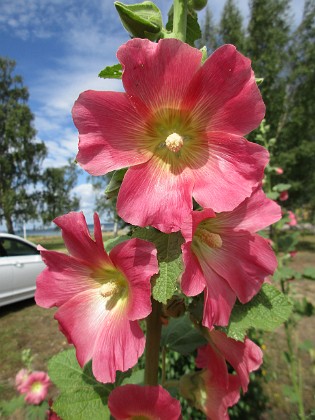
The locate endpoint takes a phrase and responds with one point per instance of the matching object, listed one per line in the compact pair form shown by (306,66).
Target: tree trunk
(9,223)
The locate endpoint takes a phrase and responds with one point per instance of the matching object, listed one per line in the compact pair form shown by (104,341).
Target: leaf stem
(154,328)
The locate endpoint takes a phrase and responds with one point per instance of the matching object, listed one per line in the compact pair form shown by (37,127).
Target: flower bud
(141,20)
(199,4)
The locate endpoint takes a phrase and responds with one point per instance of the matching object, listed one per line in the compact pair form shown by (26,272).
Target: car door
(6,277)
(25,263)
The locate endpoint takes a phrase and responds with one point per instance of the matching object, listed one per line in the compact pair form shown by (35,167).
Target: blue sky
(60,46)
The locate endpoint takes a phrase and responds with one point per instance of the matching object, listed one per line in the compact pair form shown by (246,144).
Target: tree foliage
(20,153)
(56,196)
(231,26)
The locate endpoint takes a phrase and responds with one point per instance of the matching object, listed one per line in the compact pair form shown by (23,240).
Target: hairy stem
(180,19)
(154,328)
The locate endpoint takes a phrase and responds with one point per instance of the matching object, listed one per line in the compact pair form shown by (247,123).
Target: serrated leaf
(266,311)
(109,244)
(8,407)
(111,72)
(81,395)
(309,273)
(169,258)
(37,412)
(181,336)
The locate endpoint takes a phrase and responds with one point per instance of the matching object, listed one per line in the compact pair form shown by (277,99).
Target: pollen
(174,142)
(213,240)
(109,289)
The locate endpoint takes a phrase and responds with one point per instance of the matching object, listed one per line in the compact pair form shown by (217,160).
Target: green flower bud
(141,20)
(199,4)
(112,188)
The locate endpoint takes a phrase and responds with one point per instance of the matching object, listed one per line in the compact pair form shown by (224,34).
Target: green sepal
(141,20)
(169,258)
(204,53)
(111,72)
(259,80)
(114,184)
(266,311)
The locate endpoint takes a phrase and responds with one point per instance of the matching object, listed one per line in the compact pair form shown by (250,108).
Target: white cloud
(87,196)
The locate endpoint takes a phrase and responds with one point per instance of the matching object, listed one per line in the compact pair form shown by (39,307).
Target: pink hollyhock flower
(35,387)
(20,378)
(143,402)
(224,257)
(244,357)
(279,171)
(206,391)
(284,195)
(292,218)
(293,254)
(179,127)
(100,297)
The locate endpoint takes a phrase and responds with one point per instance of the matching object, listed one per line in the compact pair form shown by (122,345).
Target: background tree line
(284,55)
(26,191)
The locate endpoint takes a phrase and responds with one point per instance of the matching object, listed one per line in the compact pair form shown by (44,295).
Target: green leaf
(8,407)
(266,311)
(309,273)
(81,395)
(284,273)
(259,80)
(136,377)
(111,72)
(281,187)
(169,258)
(112,242)
(112,188)
(37,412)
(273,195)
(306,345)
(181,336)
(141,20)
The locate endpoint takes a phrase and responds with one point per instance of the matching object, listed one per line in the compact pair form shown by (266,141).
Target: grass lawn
(24,325)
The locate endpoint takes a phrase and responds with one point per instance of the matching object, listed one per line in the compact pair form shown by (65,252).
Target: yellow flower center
(174,142)
(37,387)
(109,289)
(113,286)
(213,240)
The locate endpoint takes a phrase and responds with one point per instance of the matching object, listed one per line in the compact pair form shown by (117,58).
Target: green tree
(209,33)
(231,26)
(295,149)
(267,46)
(20,153)
(56,195)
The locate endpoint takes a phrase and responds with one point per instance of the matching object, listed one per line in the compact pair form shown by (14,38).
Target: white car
(20,264)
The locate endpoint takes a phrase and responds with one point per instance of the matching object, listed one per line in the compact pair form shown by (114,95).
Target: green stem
(154,328)
(180,19)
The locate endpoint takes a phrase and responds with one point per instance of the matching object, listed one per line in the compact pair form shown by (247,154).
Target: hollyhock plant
(244,357)
(225,258)
(292,218)
(279,171)
(35,387)
(143,402)
(178,128)
(100,296)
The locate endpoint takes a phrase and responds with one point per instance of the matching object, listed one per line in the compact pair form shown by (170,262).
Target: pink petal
(224,93)
(235,166)
(191,223)
(110,131)
(244,357)
(137,260)
(219,397)
(156,75)
(244,261)
(253,214)
(152,402)
(156,194)
(109,338)
(192,281)
(209,357)
(78,240)
(64,277)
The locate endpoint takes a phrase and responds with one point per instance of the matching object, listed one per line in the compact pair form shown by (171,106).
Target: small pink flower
(284,195)
(293,254)
(35,387)
(178,128)
(143,402)
(225,258)
(279,171)
(244,357)
(100,297)
(206,391)
(21,378)
(292,218)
